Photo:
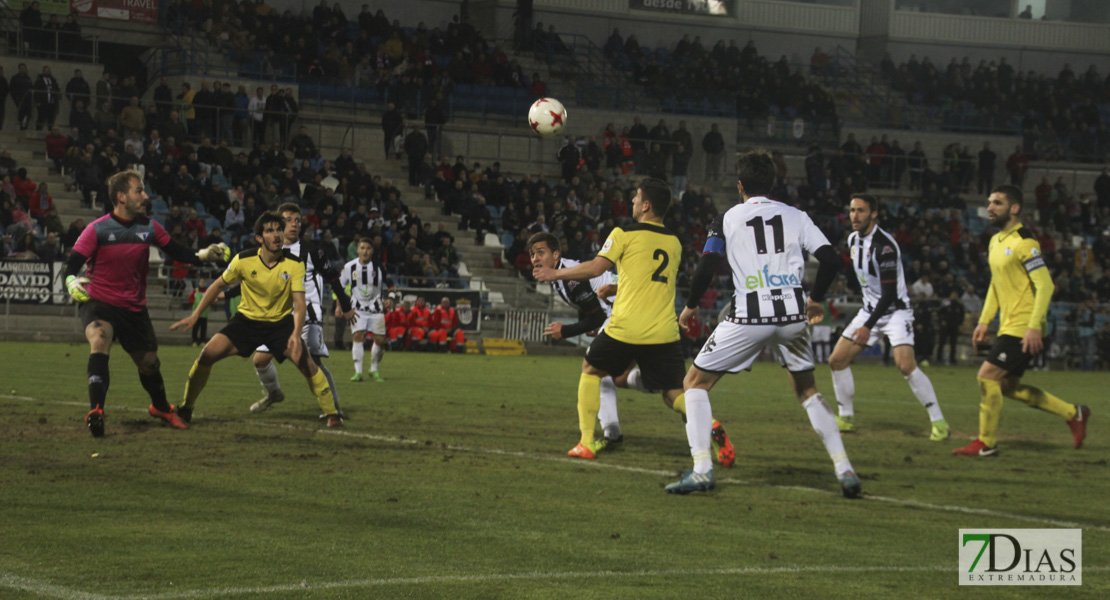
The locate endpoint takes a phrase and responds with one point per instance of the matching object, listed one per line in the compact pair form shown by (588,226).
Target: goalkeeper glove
(215,253)
(76,287)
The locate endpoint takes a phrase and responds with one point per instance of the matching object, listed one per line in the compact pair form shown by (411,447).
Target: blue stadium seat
(201,210)
(211,223)
(159,205)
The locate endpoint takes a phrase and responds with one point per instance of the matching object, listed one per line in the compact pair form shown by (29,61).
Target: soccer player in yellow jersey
(1021,289)
(271,313)
(643,328)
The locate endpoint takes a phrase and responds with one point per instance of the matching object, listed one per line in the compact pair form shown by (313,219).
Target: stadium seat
(492,240)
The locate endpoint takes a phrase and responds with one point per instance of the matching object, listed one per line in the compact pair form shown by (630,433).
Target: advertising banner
(713,8)
(136,11)
(32,282)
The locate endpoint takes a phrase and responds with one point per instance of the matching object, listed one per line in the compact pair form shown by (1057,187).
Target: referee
(272,313)
(1021,289)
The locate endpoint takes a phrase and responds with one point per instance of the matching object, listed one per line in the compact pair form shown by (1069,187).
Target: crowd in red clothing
(416,327)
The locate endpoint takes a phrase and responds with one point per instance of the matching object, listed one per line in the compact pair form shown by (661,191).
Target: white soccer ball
(547,117)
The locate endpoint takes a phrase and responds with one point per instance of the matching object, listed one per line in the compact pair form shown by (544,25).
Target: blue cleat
(692,482)
(850,485)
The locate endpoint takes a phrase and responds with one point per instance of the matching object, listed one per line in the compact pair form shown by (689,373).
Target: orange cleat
(1078,424)
(170,417)
(976,448)
(726,454)
(581,451)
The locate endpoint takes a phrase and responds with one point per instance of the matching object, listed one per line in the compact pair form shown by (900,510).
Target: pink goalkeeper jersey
(119,258)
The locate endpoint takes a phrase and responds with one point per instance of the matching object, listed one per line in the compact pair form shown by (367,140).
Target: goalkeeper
(113,293)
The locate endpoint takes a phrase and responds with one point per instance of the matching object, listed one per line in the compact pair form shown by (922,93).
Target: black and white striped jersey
(766,243)
(317,272)
(366,282)
(877,260)
(582,297)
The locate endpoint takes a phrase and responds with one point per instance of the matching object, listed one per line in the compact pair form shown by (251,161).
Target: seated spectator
(8,165)
(445,332)
(57,145)
(235,218)
(40,202)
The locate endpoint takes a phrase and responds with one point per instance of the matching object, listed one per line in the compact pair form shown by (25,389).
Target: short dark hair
(1012,193)
(289,207)
(871,201)
(268,217)
(365,240)
(658,193)
(120,183)
(545,237)
(756,171)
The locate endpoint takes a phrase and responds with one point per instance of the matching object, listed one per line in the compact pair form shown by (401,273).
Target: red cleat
(581,451)
(171,417)
(976,448)
(95,422)
(726,454)
(1078,424)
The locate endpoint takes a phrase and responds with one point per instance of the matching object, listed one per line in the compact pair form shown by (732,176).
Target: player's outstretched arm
(208,300)
(581,272)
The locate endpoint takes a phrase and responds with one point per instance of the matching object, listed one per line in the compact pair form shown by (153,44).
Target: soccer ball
(547,117)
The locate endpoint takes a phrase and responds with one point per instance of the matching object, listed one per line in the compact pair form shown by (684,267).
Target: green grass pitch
(451,481)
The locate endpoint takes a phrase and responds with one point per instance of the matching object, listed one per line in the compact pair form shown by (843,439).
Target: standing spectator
(713,143)
(680,161)
(915,160)
(104,89)
(986,169)
(951,318)
(200,328)
(57,145)
(132,118)
(568,157)
(21,94)
(637,139)
(30,19)
(258,116)
(416,146)
(3,96)
(78,89)
(923,287)
(1016,165)
(393,125)
(163,99)
(434,120)
(1086,323)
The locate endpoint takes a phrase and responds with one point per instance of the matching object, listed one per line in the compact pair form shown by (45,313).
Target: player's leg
(377,351)
(358,337)
(922,388)
(990,408)
(267,373)
(99,333)
(317,381)
(317,349)
(150,375)
(1075,414)
(844,386)
(824,423)
(604,356)
(699,416)
(607,411)
(217,349)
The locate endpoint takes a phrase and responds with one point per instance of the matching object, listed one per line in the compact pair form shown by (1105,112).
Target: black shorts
(662,365)
(247,335)
(132,328)
(1006,354)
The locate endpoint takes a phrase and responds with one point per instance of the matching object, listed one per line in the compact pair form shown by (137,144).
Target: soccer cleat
(581,451)
(850,485)
(95,422)
(976,448)
(270,400)
(692,482)
(335,421)
(377,376)
(169,417)
(609,441)
(726,454)
(846,424)
(940,431)
(1078,424)
(356,377)
(185,414)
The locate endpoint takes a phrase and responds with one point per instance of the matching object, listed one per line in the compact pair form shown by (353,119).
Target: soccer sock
(990,410)
(923,388)
(198,378)
(824,423)
(699,428)
(376,354)
(357,352)
(679,406)
(844,386)
(269,378)
(98,379)
(636,381)
(589,402)
(331,386)
(1038,398)
(154,386)
(318,383)
(607,412)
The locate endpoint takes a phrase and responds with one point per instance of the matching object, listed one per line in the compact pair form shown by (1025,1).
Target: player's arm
(580,272)
(711,256)
(300,309)
(1043,286)
(208,300)
(332,276)
(76,285)
(212,254)
(828,266)
(888,283)
(590,317)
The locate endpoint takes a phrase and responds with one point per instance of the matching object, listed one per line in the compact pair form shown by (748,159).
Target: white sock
(607,414)
(699,428)
(376,353)
(844,386)
(923,389)
(357,351)
(824,423)
(636,381)
(269,378)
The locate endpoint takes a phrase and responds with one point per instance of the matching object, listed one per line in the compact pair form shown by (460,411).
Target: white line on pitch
(614,467)
(34,586)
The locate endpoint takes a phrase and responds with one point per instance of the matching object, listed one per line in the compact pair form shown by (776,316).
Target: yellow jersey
(1021,286)
(647,256)
(267,291)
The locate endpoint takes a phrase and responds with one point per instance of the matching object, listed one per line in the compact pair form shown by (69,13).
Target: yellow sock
(589,402)
(1038,398)
(990,410)
(198,378)
(320,388)
(679,405)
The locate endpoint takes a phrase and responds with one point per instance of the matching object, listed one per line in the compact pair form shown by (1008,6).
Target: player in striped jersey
(886,311)
(765,243)
(317,271)
(367,282)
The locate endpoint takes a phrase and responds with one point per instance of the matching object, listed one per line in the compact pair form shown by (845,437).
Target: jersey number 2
(658,275)
(758,225)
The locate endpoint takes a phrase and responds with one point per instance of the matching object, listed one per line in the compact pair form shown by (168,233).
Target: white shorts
(370,322)
(313,336)
(896,325)
(821,333)
(732,348)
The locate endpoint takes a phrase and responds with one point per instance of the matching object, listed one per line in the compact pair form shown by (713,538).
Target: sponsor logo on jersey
(772,297)
(607,246)
(765,278)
